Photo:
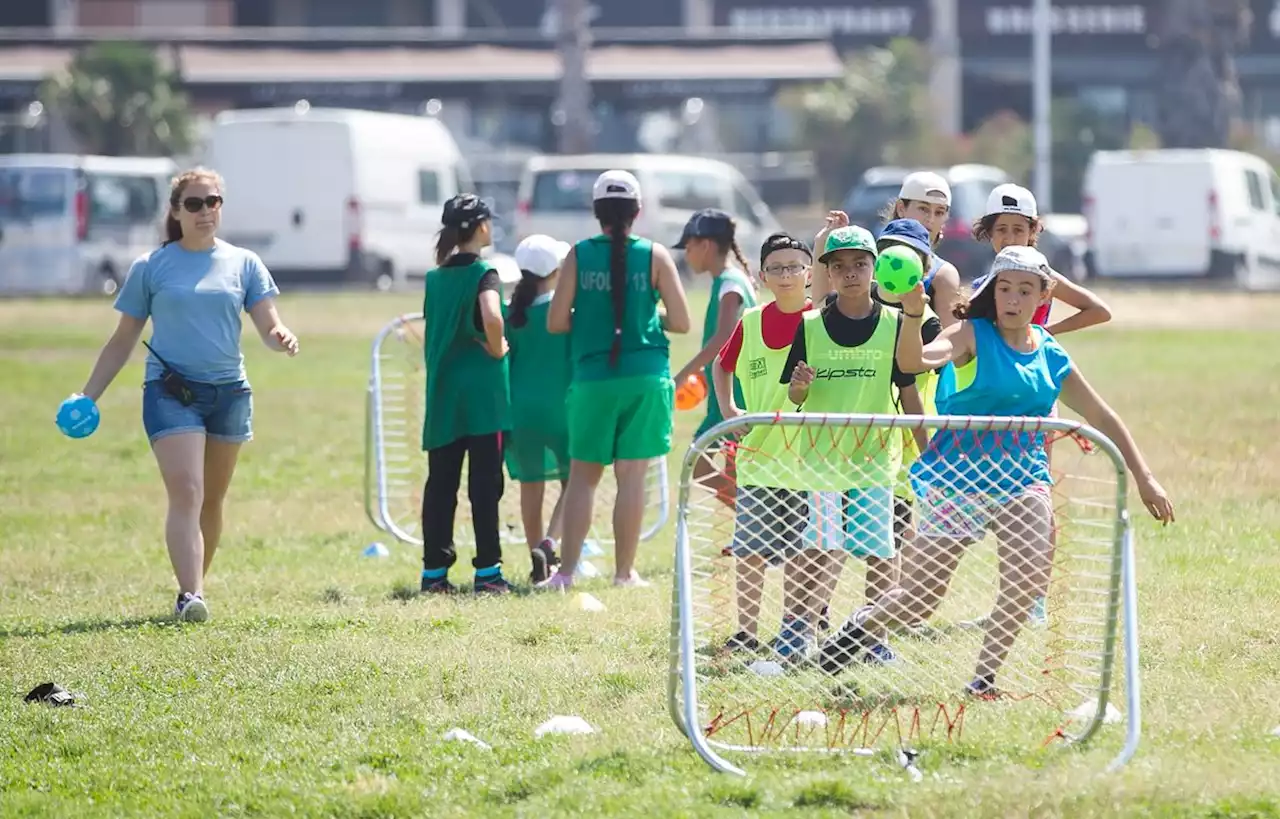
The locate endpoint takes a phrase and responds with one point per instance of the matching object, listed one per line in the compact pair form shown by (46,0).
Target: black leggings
(440,500)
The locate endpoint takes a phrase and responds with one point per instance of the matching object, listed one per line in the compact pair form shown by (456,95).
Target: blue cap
(708,223)
(907,232)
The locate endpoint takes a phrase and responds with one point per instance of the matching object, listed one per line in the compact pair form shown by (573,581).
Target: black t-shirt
(847,332)
(488,281)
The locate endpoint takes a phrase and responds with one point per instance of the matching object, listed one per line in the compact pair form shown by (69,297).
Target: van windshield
(564,190)
(27,193)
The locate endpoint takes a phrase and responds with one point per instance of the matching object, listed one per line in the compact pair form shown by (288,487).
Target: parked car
(970,186)
(74,224)
(555,196)
(1064,242)
(327,195)
(1184,213)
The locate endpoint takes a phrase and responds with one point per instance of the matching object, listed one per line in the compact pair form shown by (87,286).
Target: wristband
(912,315)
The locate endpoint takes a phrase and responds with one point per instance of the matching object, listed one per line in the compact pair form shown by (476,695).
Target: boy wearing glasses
(771,510)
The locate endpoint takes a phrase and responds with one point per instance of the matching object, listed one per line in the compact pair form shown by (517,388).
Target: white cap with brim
(616,185)
(926,186)
(1011,199)
(1020,259)
(541,255)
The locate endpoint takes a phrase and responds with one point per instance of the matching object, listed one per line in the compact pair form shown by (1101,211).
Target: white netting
(397,466)
(772,595)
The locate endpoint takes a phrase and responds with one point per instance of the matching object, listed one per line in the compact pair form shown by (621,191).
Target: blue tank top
(1000,382)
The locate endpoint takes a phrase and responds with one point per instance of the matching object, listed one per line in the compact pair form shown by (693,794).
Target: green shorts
(537,455)
(621,419)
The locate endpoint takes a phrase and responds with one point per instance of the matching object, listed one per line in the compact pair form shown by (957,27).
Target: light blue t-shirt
(194,300)
(1003,382)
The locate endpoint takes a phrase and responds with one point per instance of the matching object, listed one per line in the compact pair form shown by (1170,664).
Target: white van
(74,224)
(555,197)
(1184,213)
(335,195)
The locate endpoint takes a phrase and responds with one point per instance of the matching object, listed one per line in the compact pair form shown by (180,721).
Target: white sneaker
(635,581)
(191,608)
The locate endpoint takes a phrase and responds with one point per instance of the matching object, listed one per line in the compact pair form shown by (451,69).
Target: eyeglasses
(793,269)
(195,204)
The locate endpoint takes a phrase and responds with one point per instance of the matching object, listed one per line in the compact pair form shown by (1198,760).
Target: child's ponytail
(526,290)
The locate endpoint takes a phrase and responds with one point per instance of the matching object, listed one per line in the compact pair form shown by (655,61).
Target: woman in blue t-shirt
(971,481)
(196,402)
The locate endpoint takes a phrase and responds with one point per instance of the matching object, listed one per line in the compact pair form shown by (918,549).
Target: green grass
(319,690)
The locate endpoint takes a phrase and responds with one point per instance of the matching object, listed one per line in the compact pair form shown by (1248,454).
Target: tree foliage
(877,113)
(880,113)
(1199,95)
(119,100)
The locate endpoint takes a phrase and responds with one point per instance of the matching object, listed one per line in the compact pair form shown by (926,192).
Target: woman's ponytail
(172,230)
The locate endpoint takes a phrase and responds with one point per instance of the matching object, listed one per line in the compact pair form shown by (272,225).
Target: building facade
(1103,55)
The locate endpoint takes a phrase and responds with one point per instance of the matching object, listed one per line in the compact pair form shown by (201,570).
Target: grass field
(320,690)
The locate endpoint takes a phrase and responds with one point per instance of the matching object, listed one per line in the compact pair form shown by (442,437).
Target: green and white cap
(850,237)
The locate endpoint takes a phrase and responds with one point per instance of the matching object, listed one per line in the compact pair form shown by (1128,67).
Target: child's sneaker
(545,560)
(879,654)
(847,645)
(557,582)
(438,585)
(983,688)
(634,581)
(191,608)
(795,642)
(495,584)
(742,641)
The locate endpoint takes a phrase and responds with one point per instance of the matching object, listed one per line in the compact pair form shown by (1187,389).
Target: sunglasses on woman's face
(194,204)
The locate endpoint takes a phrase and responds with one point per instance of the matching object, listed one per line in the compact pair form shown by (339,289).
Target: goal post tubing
(683,684)
(380,460)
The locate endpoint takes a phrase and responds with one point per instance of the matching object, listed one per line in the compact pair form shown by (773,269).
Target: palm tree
(1199,95)
(120,101)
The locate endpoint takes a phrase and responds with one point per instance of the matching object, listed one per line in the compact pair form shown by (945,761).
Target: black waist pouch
(173,382)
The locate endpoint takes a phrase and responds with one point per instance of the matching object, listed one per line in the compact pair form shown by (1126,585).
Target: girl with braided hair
(620,400)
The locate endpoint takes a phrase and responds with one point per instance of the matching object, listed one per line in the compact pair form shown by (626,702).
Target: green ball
(898,269)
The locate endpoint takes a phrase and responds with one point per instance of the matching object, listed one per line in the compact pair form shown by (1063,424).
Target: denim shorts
(770,522)
(223,412)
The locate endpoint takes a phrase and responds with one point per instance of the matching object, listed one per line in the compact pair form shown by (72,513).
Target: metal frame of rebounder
(387,460)
(1121,584)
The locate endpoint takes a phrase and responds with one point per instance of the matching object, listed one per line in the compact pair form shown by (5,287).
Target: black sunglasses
(194,204)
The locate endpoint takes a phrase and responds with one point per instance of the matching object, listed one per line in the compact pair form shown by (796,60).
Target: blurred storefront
(655,61)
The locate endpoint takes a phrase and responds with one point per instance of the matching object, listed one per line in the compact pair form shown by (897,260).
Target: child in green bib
(620,402)
(771,513)
(467,409)
(842,361)
(537,451)
(709,237)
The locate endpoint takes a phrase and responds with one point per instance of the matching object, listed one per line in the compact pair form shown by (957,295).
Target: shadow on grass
(91,626)
(406,592)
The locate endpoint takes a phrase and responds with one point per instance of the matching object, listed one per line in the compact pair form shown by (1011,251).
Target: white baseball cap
(1011,198)
(540,254)
(926,186)
(616,185)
